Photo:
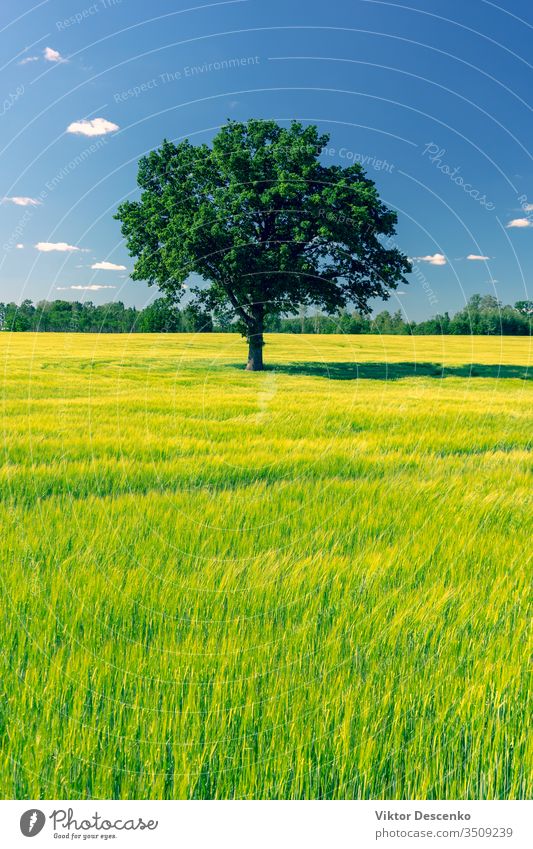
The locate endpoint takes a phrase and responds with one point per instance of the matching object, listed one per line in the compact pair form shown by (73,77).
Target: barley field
(310,582)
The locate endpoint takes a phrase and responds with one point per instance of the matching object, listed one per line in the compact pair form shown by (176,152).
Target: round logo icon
(32,822)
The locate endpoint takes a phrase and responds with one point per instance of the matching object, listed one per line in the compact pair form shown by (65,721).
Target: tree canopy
(266,226)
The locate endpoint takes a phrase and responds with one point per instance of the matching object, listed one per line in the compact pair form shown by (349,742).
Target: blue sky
(432,96)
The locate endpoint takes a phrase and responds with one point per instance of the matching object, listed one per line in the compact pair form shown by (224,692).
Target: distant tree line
(483,315)
(161,316)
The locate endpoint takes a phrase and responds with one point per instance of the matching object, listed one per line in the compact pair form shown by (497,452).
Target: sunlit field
(310,582)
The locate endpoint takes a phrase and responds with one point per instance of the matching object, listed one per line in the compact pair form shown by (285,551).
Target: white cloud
(477,257)
(400,292)
(520,222)
(19,246)
(29,59)
(107,266)
(55,246)
(528,207)
(433,259)
(52,55)
(94,127)
(22,201)
(93,287)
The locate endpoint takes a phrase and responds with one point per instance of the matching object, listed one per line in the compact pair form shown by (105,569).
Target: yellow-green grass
(310,582)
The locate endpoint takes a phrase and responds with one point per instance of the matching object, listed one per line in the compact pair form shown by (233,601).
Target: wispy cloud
(63,247)
(433,259)
(52,55)
(107,266)
(477,257)
(19,246)
(94,127)
(49,55)
(92,287)
(520,222)
(22,201)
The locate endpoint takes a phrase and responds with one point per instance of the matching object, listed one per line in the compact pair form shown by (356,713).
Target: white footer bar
(267,825)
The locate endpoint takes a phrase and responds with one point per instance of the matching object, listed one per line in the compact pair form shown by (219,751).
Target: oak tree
(265,224)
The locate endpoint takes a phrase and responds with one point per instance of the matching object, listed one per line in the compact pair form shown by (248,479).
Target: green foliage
(525,307)
(197,320)
(263,222)
(69,316)
(483,316)
(161,316)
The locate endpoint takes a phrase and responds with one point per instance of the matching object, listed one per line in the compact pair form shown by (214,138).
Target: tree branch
(248,319)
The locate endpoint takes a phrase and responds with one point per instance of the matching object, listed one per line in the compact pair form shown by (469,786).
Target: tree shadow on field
(397,371)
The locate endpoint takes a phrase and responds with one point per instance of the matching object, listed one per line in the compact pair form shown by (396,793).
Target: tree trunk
(255,352)
(255,339)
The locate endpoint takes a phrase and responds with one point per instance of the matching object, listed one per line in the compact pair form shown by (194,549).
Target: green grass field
(310,582)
